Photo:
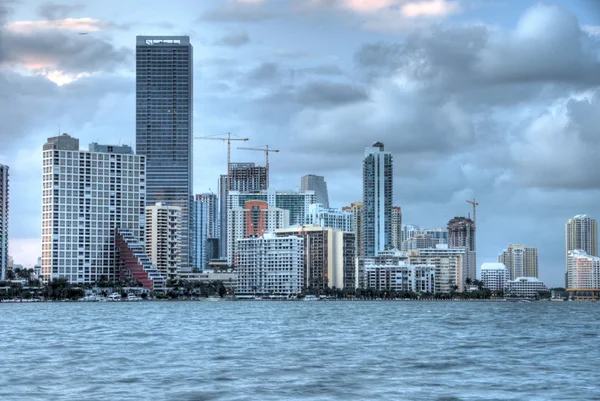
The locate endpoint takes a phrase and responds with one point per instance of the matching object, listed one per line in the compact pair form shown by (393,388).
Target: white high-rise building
(164,225)
(581,232)
(397,227)
(86,196)
(270,265)
(321,216)
(254,220)
(3,221)
(494,276)
(378,195)
(583,270)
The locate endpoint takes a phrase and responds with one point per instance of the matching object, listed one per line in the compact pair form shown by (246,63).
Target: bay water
(300,351)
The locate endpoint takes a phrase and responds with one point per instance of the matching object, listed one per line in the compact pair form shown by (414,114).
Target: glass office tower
(164,124)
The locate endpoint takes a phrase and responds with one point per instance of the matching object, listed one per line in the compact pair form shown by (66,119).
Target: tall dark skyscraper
(378,178)
(164,124)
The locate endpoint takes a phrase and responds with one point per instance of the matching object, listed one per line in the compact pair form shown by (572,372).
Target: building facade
(317,184)
(254,220)
(270,265)
(449,266)
(3,221)
(461,234)
(328,256)
(206,228)
(243,177)
(581,232)
(583,271)
(86,196)
(494,276)
(398,277)
(321,216)
(164,124)
(520,260)
(527,287)
(297,203)
(356,209)
(164,224)
(397,227)
(378,177)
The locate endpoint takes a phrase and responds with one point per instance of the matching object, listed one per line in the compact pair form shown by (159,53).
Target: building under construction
(461,234)
(244,177)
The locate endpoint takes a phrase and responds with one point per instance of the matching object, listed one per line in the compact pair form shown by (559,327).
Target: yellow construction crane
(266,150)
(474,203)
(228,139)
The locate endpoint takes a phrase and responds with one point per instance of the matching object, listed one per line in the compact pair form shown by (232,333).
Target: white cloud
(433,8)
(82,25)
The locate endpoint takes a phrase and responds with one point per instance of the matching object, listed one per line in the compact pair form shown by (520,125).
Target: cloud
(58,53)
(433,8)
(592,30)
(238,11)
(55,11)
(234,39)
(67,24)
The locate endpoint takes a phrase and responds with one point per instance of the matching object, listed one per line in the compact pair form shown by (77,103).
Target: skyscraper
(378,177)
(397,227)
(163,228)
(357,215)
(3,221)
(245,177)
(520,261)
(316,183)
(581,232)
(206,227)
(86,197)
(164,123)
(461,234)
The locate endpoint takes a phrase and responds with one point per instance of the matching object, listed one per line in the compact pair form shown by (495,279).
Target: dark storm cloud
(234,11)
(53,11)
(62,50)
(265,72)
(234,39)
(323,93)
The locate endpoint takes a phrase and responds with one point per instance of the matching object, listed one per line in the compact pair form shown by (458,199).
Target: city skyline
(523,199)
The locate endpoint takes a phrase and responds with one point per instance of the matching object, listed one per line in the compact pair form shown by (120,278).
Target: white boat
(311,298)
(115,296)
(133,297)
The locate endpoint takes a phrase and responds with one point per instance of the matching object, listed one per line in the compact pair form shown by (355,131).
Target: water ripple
(441,351)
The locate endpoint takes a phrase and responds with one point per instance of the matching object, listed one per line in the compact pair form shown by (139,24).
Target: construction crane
(228,139)
(474,203)
(266,150)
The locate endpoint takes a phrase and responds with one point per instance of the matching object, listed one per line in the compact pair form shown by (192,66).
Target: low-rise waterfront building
(392,274)
(527,287)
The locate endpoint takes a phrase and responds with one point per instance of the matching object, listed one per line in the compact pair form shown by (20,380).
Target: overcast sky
(497,100)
